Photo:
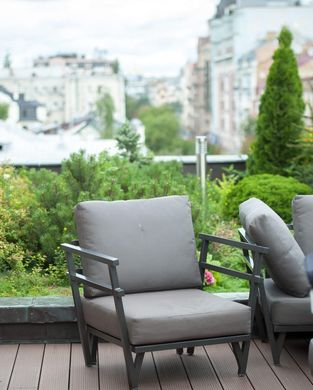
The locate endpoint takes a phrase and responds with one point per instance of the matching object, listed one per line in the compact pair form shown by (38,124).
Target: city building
(27,113)
(195,87)
(235,30)
(188,99)
(68,85)
(164,91)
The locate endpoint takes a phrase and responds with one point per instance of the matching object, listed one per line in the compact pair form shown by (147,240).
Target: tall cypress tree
(281,110)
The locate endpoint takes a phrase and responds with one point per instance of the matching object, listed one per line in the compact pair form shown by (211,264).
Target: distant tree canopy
(162,128)
(116,66)
(7,61)
(105,114)
(133,106)
(280,121)
(4,111)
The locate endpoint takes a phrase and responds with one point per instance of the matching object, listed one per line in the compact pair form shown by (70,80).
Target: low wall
(215,163)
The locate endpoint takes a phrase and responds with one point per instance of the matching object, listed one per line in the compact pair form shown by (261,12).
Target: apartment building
(68,85)
(196,91)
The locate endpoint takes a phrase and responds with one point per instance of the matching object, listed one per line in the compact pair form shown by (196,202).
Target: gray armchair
(284,303)
(148,296)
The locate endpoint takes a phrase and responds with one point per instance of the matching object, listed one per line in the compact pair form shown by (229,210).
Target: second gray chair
(284,299)
(143,283)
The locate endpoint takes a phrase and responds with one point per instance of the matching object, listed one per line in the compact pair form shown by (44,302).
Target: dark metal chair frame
(89,335)
(276,334)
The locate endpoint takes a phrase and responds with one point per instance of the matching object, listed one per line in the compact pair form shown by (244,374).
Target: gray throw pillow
(285,261)
(302,212)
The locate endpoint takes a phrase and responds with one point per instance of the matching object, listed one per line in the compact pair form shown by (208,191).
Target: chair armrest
(236,244)
(77,277)
(91,283)
(230,272)
(245,246)
(92,255)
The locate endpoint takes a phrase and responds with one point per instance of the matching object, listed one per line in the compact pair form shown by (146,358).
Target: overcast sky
(149,37)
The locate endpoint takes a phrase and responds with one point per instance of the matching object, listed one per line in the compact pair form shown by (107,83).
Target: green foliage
(7,61)
(248,128)
(127,142)
(276,191)
(133,106)
(4,111)
(15,200)
(105,114)
(32,283)
(37,214)
(280,122)
(302,165)
(116,66)
(162,129)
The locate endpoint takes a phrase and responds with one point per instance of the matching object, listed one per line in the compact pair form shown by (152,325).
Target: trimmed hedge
(276,191)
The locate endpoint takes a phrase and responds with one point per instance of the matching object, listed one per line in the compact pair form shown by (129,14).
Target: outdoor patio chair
(148,296)
(284,303)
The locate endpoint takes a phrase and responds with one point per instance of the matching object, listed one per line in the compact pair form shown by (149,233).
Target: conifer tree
(280,120)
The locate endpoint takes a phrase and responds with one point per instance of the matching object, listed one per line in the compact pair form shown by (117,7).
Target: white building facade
(68,86)
(235,30)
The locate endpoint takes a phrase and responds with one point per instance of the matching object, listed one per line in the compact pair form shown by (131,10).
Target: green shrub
(280,120)
(37,214)
(277,191)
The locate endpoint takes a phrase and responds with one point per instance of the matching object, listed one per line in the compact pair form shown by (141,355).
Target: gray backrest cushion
(152,238)
(285,261)
(302,212)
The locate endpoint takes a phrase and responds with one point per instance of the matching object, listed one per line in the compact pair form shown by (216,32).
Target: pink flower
(208,278)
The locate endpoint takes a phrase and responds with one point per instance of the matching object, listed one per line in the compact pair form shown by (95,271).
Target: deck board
(82,377)
(7,360)
(27,367)
(148,376)
(299,350)
(62,367)
(225,366)
(260,373)
(55,367)
(200,371)
(171,371)
(288,371)
(112,371)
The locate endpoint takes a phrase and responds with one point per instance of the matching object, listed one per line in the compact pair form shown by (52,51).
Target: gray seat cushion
(285,260)
(152,238)
(302,212)
(286,309)
(158,317)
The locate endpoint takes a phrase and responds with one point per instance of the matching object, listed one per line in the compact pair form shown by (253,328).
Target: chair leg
(241,355)
(260,326)
(190,351)
(133,369)
(277,344)
(94,348)
(89,346)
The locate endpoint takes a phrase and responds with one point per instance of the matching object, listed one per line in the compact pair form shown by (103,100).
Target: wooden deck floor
(61,366)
